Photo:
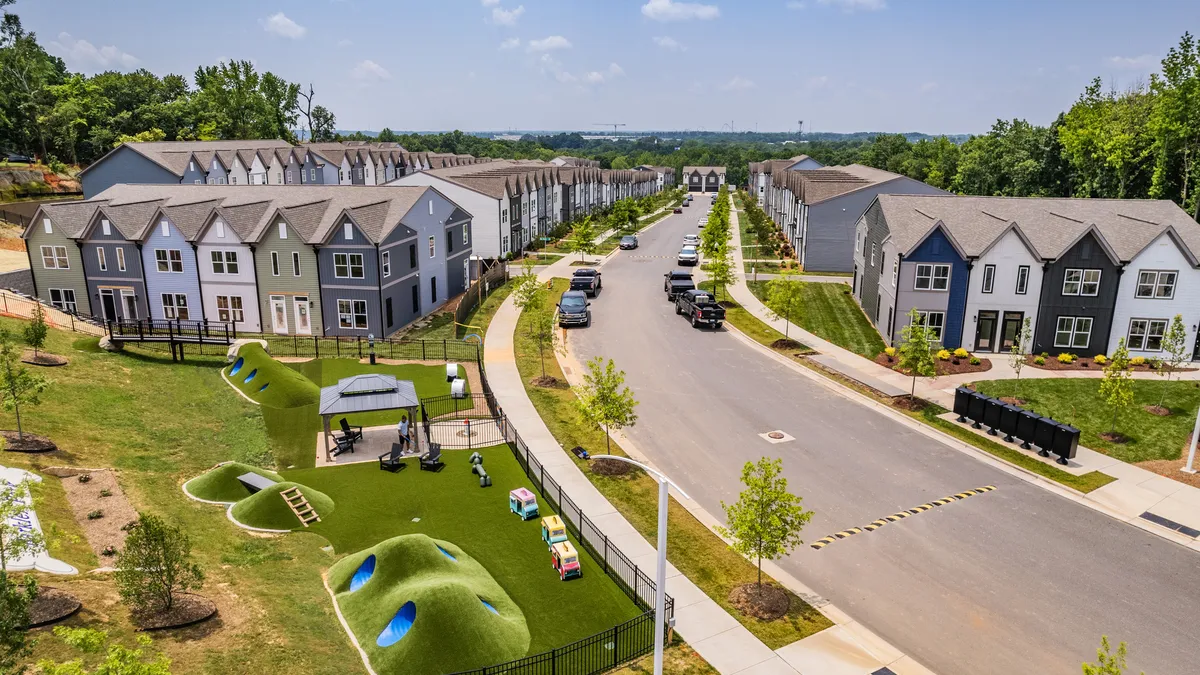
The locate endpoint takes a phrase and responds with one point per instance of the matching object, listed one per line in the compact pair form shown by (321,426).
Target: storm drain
(1171,525)
(884,671)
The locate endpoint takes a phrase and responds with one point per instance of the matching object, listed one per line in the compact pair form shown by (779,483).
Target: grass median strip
(829,311)
(699,553)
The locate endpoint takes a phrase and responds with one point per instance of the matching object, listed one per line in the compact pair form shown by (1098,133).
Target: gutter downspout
(33,277)
(320,289)
(379,290)
(895,298)
(145,286)
(199,280)
(966,298)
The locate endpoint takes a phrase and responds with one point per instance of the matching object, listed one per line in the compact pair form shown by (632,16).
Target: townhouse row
(703,178)
(514,203)
(286,259)
(1085,272)
(817,207)
(259,162)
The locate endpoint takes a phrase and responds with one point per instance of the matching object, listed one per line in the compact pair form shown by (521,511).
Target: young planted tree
(1016,355)
(156,566)
(916,353)
(604,400)
(15,595)
(18,386)
(624,215)
(720,270)
(785,295)
(766,520)
(1175,345)
(37,330)
(543,334)
(1108,663)
(528,293)
(583,238)
(1117,386)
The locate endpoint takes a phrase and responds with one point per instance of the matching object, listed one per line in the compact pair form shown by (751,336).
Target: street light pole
(660,581)
(1189,467)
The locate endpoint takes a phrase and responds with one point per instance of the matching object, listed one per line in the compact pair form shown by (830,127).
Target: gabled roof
(128,218)
(1051,225)
(703,169)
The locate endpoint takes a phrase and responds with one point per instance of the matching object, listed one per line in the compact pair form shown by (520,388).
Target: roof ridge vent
(1073,220)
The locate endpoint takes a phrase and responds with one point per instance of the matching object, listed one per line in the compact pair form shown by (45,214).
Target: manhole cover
(465,433)
(777,435)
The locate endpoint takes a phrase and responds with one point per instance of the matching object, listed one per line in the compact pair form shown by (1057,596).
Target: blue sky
(938,66)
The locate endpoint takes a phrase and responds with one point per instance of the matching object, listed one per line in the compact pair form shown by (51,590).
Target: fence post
(444,355)
(422,350)
(358,341)
(337,343)
(316,348)
(616,648)
(606,554)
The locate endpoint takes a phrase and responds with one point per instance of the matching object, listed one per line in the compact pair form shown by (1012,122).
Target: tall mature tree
(766,520)
(307,108)
(1175,124)
(324,124)
(604,400)
(1116,389)
(26,73)
(281,101)
(77,103)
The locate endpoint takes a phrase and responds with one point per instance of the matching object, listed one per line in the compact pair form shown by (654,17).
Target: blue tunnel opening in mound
(490,607)
(237,366)
(251,375)
(446,553)
(264,386)
(398,626)
(363,573)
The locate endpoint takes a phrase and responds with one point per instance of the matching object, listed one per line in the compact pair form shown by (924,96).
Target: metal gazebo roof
(364,393)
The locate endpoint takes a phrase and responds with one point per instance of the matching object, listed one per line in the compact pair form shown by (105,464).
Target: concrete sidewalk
(1139,497)
(844,649)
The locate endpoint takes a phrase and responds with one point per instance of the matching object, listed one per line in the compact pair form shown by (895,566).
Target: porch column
(325,420)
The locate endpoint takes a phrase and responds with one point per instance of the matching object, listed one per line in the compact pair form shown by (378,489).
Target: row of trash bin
(1016,423)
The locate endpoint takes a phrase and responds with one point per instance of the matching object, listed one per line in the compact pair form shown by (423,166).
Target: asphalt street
(1016,580)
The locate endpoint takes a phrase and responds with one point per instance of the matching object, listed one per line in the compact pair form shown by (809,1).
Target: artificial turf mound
(459,617)
(285,388)
(266,509)
(221,483)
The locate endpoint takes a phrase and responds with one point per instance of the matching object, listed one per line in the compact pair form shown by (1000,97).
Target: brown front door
(1012,328)
(985,332)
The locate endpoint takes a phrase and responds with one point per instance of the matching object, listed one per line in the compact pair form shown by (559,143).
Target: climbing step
(299,505)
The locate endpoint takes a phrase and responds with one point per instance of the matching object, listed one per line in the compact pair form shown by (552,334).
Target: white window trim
(386,264)
(1074,331)
(274,263)
(296,264)
(66,262)
(872,254)
(101,259)
(432,246)
(1145,337)
(932,276)
(353,314)
(923,318)
(120,258)
(1156,284)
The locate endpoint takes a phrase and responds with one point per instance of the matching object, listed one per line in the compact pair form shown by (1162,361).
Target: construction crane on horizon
(608,124)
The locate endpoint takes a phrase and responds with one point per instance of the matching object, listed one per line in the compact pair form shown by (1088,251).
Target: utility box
(962,403)
(991,415)
(975,408)
(458,388)
(1027,424)
(1066,442)
(451,371)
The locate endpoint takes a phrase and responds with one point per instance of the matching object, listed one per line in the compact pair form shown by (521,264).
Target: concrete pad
(874,644)
(684,592)
(1127,472)
(772,666)
(704,620)
(1162,485)
(833,651)
(1189,495)
(1074,467)
(649,564)
(906,666)
(1125,498)
(731,652)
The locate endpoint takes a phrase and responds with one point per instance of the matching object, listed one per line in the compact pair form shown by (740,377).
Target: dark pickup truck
(676,282)
(701,308)
(586,279)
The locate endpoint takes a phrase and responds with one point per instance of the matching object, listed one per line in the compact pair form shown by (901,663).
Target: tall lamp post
(660,581)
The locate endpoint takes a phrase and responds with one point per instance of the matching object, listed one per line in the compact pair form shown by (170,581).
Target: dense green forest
(1140,142)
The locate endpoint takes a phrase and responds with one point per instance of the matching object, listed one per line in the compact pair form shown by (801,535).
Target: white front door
(129,304)
(300,306)
(279,315)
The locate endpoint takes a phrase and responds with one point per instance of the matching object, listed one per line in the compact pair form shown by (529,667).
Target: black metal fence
(471,406)
(597,653)
(360,348)
(173,330)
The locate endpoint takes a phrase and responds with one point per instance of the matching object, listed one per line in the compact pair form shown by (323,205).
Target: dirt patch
(51,606)
(544,381)
(188,609)
(610,467)
(85,498)
(1170,468)
(1114,437)
(785,344)
(910,403)
(952,366)
(1157,410)
(27,442)
(1012,400)
(767,602)
(43,359)
(1087,363)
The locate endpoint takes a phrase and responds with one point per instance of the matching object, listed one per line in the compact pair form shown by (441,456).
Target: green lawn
(374,505)
(752,326)
(829,311)
(1078,403)
(695,550)
(440,327)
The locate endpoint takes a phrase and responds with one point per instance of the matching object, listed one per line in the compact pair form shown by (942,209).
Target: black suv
(573,310)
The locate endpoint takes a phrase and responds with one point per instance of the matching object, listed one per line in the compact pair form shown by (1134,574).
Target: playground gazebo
(366,393)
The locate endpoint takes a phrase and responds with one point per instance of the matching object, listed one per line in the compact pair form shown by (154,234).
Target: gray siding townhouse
(112,262)
(289,292)
(162,162)
(761,172)
(703,178)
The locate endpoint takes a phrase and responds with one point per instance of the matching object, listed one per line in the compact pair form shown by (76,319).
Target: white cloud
(511,43)
(282,26)
(857,5)
(738,83)
(507,17)
(615,70)
(549,44)
(1143,62)
(88,54)
(794,4)
(669,10)
(489,3)
(930,86)
(669,43)
(368,70)
(345,43)
(596,77)
(817,82)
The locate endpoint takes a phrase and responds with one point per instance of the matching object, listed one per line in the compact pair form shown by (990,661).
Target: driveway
(1016,580)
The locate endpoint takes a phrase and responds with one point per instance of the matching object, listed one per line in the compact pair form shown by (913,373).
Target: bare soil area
(86,498)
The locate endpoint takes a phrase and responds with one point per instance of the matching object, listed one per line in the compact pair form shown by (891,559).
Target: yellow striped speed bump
(875,525)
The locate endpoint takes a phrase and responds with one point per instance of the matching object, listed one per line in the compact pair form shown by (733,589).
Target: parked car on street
(573,309)
(700,307)
(691,240)
(586,279)
(688,256)
(677,281)
(687,203)
(628,242)
(678,209)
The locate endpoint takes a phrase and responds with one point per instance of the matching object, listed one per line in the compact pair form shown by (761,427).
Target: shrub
(1138,361)
(109,551)
(85,477)
(1045,355)
(975,360)
(1040,360)
(961,353)
(943,354)
(1066,358)
(890,351)
(106,492)
(96,515)
(156,566)
(1100,359)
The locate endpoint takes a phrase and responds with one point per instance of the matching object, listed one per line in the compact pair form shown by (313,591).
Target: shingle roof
(189,218)
(703,169)
(817,185)
(130,218)
(1051,225)
(69,217)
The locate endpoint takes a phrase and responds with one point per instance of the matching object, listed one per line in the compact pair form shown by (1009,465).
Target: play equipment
(458,388)
(363,574)
(398,626)
(451,372)
(523,503)
(565,560)
(553,530)
(251,375)
(476,460)
(299,505)
(237,366)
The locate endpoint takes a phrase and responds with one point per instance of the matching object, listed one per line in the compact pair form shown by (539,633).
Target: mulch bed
(910,403)
(30,442)
(188,609)
(1086,363)
(786,343)
(768,602)
(118,512)
(953,366)
(1114,437)
(546,382)
(1157,410)
(610,467)
(44,359)
(1012,400)
(51,606)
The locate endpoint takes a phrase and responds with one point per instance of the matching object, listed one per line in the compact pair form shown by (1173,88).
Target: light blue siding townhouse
(169,258)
